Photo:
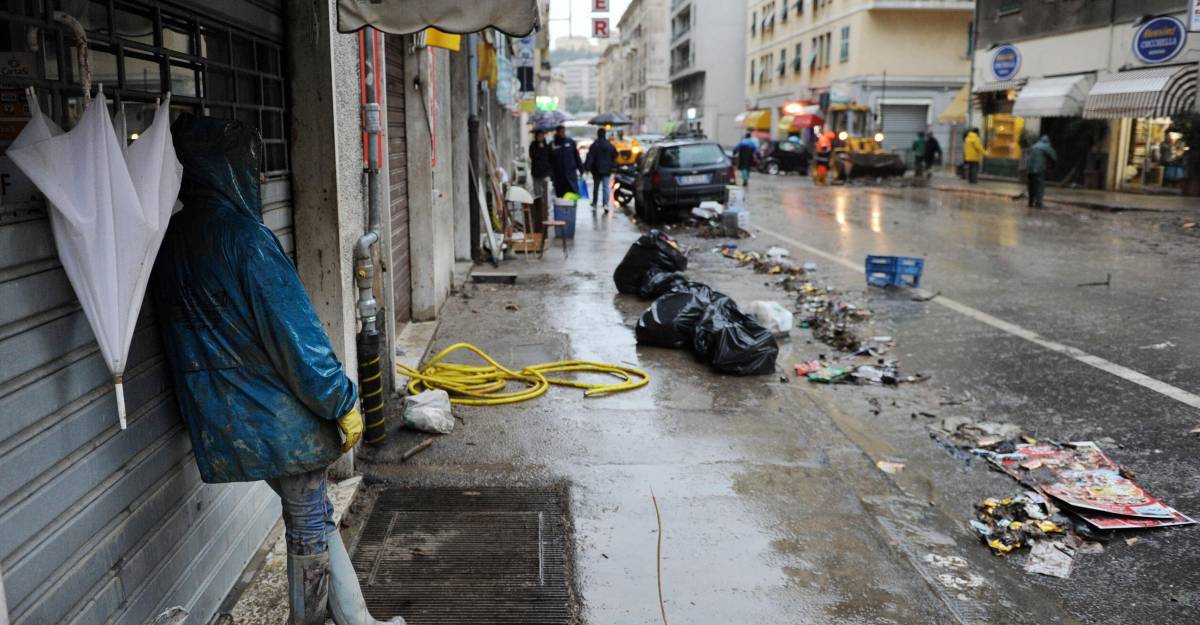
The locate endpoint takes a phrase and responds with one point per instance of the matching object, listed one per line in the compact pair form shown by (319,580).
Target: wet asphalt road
(774,511)
(1022,266)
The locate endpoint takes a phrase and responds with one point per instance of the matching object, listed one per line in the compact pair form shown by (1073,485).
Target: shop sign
(1006,62)
(1159,40)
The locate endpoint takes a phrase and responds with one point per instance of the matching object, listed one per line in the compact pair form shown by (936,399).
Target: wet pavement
(773,509)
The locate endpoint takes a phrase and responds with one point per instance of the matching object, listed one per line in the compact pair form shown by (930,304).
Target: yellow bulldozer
(857,152)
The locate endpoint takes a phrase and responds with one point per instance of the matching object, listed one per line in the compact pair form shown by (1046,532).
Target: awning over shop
(1150,92)
(1003,85)
(1062,96)
(401,17)
(756,120)
(797,123)
(956,111)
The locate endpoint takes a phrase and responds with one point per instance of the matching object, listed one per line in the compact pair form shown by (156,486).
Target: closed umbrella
(109,207)
(610,119)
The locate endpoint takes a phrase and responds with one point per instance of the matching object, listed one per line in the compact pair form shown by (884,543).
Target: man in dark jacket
(601,159)
(261,391)
(933,153)
(539,164)
(746,152)
(565,163)
(1042,158)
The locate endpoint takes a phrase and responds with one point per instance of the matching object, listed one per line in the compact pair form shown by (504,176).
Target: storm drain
(445,556)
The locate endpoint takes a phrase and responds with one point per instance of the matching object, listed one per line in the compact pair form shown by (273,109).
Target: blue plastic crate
(891,270)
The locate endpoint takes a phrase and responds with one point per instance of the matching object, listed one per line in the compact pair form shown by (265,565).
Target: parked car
(680,174)
(783,157)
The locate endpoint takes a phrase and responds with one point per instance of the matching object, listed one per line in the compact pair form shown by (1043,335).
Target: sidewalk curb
(1101,206)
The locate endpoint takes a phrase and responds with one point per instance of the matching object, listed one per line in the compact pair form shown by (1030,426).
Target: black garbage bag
(704,292)
(652,252)
(732,342)
(660,282)
(671,320)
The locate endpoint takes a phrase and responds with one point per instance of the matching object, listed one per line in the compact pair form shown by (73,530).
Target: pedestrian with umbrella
(565,163)
(601,159)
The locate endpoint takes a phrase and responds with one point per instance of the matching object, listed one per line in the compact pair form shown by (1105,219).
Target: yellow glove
(351,427)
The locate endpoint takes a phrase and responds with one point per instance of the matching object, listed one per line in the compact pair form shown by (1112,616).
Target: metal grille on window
(139,51)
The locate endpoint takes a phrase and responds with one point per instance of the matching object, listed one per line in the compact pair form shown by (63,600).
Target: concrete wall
(327,167)
(461,83)
(430,180)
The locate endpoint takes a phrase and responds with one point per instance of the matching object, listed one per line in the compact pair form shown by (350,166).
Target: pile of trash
(692,314)
(714,220)
(774,261)
(1076,493)
(880,372)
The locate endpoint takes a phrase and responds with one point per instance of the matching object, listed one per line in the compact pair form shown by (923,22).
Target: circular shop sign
(1159,40)
(1006,61)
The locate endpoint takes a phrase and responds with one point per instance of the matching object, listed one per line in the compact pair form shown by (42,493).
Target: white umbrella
(109,208)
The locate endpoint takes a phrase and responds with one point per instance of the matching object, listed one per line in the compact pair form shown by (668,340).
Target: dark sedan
(784,156)
(680,174)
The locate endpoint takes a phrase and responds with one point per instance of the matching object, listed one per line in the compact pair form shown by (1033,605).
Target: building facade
(706,69)
(580,82)
(1105,81)
(898,63)
(641,84)
(103,525)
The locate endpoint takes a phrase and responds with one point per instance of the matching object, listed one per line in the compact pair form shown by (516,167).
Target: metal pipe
(364,268)
(370,368)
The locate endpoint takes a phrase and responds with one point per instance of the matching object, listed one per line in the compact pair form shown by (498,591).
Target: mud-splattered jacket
(257,381)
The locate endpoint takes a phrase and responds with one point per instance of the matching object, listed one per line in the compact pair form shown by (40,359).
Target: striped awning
(1061,96)
(1148,92)
(1003,85)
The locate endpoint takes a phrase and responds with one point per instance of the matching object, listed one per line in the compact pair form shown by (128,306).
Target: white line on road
(1123,372)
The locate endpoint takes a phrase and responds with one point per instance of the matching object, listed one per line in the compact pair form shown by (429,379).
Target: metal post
(974,36)
(473,138)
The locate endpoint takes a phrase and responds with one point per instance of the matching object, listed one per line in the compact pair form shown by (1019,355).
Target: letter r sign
(600,27)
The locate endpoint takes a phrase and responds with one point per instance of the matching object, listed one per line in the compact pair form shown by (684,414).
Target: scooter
(624,177)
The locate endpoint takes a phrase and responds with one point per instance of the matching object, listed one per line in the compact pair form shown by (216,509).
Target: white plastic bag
(429,412)
(772,315)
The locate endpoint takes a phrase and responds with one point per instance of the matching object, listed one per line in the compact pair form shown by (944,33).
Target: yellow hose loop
(484,385)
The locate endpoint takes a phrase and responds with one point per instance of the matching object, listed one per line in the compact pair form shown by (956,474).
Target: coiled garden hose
(485,385)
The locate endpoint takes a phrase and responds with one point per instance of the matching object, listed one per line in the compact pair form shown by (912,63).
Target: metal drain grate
(444,556)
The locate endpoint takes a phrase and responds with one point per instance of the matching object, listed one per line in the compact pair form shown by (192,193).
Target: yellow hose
(484,385)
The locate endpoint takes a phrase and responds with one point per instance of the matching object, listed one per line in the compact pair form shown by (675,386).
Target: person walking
(539,165)
(933,153)
(565,163)
(746,151)
(972,154)
(259,387)
(1042,159)
(918,152)
(601,159)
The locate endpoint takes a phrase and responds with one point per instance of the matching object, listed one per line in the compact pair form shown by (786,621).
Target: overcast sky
(580,12)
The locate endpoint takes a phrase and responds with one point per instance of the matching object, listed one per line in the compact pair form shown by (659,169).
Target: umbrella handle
(119,387)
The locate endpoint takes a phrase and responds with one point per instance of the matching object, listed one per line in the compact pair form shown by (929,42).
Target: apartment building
(638,70)
(900,62)
(580,81)
(706,68)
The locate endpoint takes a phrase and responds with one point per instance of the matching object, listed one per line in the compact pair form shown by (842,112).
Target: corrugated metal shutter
(901,123)
(99,525)
(397,146)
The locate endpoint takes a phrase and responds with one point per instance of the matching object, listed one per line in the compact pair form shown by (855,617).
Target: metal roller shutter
(901,123)
(104,526)
(397,155)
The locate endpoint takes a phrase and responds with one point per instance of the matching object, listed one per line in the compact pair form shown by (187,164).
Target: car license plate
(695,179)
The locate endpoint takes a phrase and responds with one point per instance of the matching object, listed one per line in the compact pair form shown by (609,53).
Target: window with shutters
(845,52)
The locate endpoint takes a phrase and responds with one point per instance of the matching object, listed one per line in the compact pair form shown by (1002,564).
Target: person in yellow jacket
(972,154)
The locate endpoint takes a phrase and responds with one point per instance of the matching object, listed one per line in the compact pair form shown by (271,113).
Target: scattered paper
(1050,558)
(887,466)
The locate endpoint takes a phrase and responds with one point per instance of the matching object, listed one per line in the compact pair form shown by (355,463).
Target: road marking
(1121,371)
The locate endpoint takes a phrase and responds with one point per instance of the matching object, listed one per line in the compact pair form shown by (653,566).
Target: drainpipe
(473,138)
(370,369)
